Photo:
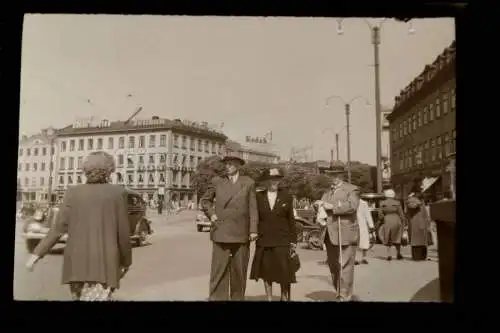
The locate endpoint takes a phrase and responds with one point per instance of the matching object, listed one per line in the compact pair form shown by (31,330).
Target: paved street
(176,265)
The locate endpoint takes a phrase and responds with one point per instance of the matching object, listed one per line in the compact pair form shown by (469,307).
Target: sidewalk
(381,281)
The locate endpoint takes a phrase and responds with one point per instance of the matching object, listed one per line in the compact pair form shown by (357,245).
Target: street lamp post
(375,31)
(347,108)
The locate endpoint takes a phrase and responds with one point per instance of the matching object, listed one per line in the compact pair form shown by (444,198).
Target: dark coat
(98,246)
(418,222)
(277,225)
(235,207)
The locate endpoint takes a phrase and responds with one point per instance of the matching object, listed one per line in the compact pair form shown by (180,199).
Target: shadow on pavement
(327,296)
(260,298)
(428,293)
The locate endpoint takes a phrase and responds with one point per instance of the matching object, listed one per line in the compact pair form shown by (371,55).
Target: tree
(206,170)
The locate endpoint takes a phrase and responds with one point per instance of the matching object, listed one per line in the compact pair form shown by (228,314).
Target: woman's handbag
(294,261)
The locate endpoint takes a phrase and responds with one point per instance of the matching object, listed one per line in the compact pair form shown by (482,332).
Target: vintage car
(37,226)
(308,230)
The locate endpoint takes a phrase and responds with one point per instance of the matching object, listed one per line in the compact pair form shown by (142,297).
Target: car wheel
(31,244)
(314,240)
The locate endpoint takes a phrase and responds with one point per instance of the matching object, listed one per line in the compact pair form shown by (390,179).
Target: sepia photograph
(235,158)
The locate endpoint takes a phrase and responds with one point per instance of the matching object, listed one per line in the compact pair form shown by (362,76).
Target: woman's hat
(389,193)
(272,173)
(227,159)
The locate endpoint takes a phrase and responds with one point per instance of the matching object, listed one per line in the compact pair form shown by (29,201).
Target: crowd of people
(93,266)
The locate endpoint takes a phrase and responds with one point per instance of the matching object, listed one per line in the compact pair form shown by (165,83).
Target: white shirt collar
(234,178)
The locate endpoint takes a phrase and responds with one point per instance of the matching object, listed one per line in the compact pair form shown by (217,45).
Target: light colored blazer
(365,223)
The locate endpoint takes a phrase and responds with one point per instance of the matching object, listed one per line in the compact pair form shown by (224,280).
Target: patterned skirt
(90,292)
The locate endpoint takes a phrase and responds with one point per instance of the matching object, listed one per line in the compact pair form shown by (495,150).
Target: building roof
(153,124)
(42,137)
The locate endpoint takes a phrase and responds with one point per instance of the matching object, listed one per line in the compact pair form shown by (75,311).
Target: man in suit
(234,225)
(341,204)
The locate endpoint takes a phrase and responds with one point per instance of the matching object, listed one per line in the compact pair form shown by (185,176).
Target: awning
(427,183)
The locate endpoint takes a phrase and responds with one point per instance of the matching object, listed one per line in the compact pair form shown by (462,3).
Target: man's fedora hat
(227,159)
(273,173)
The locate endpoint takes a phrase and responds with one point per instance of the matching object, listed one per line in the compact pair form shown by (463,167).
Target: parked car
(37,226)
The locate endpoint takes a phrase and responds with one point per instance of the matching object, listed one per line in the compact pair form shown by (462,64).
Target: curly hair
(98,167)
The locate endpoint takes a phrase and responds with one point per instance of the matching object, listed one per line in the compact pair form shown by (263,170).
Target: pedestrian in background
(234,218)
(366,227)
(277,240)
(341,205)
(391,231)
(98,251)
(418,225)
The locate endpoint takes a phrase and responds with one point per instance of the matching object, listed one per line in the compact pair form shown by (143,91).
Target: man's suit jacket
(96,219)
(345,200)
(277,225)
(235,207)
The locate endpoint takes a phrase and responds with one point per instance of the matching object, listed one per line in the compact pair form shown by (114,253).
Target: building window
(141,178)
(214,150)
(452,100)
(405,127)
(42,166)
(191,162)
(163,158)
(90,144)
(431,112)
(176,141)
(142,142)
(35,166)
(438,108)
(191,144)
(151,179)
(21,152)
(131,142)
(62,163)
(206,146)
(130,178)
(130,162)
(79,162)
(51,165)
(401,130)
(121,142)
(99,144)
(393,134)
(26,181)
(446,144)
(162,177)
(19,167)
(63,146)
(414,121)
(44,151)
(27,167)
(152,141)
(433,150)
(71,163)
(419,118)
(78,179)
(199,160)
(439,148)
(28,152)
(80,145)
(163,140)
(42,181)
(70,179)
(184,142)
(71,145)
(120,160)
(61,180)
(426,153)
(445,103)
(119,177)
(111,143)
(35,152)
(175,160)
(151,159)
(141,159)
(426,115)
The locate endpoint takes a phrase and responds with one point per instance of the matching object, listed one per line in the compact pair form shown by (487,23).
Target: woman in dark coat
(394,222)
(98,250)
(277,238)
(418,226)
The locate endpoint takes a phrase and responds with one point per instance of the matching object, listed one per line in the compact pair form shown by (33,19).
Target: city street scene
(236,158)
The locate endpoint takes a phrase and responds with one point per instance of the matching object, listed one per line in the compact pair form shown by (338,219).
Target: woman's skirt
(390,233)
(418,253)
(90,292)
(272,264)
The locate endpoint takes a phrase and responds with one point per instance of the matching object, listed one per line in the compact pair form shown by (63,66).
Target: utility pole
(337,145)
(347,116)
(378,107)
(331,157)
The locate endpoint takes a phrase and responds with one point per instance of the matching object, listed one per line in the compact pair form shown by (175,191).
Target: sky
(254,74)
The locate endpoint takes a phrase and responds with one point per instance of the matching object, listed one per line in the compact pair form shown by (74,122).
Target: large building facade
(153,156)
(422,126)
(251,153)
(36,163)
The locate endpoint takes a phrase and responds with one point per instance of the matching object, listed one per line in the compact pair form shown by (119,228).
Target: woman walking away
(277,238)
(94,215)
(418,226)
(393,223)
(366,227)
